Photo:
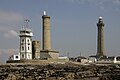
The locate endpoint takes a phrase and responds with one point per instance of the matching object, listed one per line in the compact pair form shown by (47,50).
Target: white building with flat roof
(26,42)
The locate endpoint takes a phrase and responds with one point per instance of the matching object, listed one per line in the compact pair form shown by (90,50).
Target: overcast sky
(73,25)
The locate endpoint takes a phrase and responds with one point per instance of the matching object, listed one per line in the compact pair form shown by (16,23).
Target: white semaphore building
(25,43)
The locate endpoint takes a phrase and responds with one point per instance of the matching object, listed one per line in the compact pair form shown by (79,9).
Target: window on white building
(22,55)
(22,40)
(16,57)
(28,56)
(28,48)
(22,47)
(28,40)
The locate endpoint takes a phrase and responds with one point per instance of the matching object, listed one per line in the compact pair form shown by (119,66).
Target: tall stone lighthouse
(46,51)
(100,38)
(46,31)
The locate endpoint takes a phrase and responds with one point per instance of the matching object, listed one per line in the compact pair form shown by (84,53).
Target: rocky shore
(66,71)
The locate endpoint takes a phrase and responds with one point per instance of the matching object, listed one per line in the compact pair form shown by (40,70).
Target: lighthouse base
(45,54)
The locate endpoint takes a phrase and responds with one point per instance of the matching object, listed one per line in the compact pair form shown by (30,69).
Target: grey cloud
(116,1)
(11,34)
(96,2)
(9,19)
(9,51)
(5,53)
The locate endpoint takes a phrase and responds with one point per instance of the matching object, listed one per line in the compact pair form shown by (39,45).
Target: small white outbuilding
(15,57)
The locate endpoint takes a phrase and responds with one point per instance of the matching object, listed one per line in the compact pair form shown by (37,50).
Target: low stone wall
(49,61)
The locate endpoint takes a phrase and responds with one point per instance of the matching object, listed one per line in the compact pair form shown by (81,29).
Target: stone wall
(37,61)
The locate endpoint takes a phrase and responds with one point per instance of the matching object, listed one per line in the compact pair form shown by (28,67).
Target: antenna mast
(26,21)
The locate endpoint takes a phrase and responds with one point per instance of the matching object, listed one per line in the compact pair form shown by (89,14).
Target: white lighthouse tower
(26,42)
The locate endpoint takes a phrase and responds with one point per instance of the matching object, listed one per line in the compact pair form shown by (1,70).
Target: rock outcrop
(59,72)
